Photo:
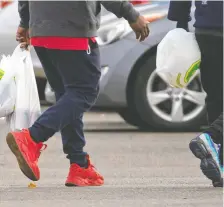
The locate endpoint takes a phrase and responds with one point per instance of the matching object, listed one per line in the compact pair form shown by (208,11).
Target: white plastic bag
(178,58)
(27,107)
(7,87)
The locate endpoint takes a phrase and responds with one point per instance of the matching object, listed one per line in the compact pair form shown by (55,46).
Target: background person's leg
(203,146)
(212,73)
(211,47)
(216,132)
(80,74)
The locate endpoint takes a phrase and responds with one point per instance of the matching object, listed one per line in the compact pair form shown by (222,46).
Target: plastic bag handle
(20,53)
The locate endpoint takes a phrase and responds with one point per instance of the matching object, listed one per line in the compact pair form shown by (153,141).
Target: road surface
(140,169)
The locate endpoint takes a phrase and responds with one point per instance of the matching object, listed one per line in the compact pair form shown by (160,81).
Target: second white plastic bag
(178,58)
(7,86)
(27,107)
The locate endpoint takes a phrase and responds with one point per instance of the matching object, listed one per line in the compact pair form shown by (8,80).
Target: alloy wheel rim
(184,104)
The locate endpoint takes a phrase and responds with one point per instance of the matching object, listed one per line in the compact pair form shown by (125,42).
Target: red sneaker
(26,151)
(84,176)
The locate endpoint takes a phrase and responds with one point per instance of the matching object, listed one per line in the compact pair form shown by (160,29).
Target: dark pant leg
(80,74)
(51,72)
(53,78)
(212,80)
(212,73)
(56,83)
(216,132)
(217,127)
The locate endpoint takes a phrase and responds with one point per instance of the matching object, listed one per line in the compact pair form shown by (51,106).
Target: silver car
(129,84)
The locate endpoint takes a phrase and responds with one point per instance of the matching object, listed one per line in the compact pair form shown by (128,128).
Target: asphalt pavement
(141,169)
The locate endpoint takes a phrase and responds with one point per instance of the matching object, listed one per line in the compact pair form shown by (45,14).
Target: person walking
(209,35)
(63,35)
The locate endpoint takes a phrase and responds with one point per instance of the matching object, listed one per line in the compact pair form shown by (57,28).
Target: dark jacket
(70,18)
(208,14)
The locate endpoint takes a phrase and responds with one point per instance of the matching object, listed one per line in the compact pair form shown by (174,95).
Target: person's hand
(141,29)
(22,36)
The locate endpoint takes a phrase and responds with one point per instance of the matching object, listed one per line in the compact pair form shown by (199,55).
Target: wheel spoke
(195,96)
(157,97)
(177,112)
(164,80)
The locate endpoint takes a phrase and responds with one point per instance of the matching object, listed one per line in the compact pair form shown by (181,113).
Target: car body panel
(113,84)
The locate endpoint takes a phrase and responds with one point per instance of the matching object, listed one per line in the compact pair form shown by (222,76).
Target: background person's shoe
(207,151)
(84,176)
(26,151)
(218,183)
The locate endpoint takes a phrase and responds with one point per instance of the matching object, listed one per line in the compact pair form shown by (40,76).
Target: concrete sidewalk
(140,169)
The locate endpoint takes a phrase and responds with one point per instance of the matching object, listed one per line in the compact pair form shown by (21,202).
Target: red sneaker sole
(71,185)
(98,182)
(23,165)
(89,183)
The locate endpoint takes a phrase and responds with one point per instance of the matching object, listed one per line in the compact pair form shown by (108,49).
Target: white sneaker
(208,152)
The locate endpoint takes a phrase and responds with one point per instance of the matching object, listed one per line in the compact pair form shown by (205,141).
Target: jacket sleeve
(23,8)
(180,11)
(122,9)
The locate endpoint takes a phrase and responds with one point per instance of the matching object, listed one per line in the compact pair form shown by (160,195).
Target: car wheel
(132,118)
(164,107)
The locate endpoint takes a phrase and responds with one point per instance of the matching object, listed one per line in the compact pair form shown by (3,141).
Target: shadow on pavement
(115,127)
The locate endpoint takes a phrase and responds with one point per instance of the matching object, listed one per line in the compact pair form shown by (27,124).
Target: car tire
(132,118)
(149,119)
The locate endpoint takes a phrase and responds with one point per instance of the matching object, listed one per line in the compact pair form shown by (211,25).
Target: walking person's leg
(80,74)
(208,147)
(57,85)
(216,132)
(211,68)
(205,146)
(51,72)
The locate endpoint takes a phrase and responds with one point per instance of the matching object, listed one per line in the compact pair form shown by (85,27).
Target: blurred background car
(4,3)
(129,84)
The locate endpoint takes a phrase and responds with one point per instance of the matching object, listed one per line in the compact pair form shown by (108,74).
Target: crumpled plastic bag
(27,105)
(7,86)
(178,58)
